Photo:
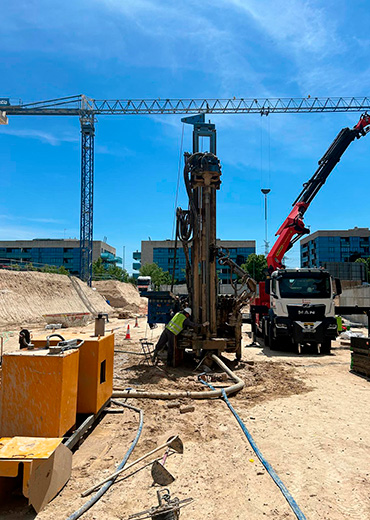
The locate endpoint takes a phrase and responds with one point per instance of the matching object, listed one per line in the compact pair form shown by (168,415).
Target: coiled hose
(293,504)
(106,486)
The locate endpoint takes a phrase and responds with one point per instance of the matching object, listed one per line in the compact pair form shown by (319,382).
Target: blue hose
(108,484)
(293,504)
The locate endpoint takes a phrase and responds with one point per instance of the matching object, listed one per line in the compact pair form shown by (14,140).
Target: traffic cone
(128,332)
(136,323)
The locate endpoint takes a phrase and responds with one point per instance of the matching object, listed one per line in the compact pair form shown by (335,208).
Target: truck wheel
(266,340)
(275,344)
(326,346)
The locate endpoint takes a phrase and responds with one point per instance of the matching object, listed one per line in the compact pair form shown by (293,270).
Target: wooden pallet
(360,356)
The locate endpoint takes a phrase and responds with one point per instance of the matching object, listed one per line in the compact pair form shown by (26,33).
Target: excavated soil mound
(26,296)
(123,296)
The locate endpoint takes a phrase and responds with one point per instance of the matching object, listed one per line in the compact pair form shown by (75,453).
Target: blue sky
(110,49)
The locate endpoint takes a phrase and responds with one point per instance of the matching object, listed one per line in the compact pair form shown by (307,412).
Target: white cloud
(32,219)
(298,25)
(40,135)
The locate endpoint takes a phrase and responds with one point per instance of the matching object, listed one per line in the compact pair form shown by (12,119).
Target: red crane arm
(293,227)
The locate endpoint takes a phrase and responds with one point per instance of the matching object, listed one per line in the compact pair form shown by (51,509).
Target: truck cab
(302,309)
(144,284)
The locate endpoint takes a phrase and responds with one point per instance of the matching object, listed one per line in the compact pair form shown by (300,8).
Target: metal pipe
(233,389)
(119,471)
(207,203)
(74,438)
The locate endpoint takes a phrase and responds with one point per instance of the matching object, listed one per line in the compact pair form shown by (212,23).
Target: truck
(144,284)
(295,307)
(301,309)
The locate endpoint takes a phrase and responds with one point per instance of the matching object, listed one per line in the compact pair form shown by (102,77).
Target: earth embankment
(26,296)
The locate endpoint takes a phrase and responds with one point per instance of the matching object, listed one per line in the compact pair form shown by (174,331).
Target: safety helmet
(188,310)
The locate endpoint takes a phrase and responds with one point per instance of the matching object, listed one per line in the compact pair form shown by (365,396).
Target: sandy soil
(307,413)
(122,296)
(26,296)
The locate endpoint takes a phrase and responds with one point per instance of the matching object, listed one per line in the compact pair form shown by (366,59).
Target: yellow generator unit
(38,393)
(95,373)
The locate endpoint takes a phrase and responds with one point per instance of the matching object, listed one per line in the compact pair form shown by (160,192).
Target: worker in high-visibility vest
(173,328)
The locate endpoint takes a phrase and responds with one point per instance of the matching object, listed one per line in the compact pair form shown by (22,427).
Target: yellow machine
(43,388)
(34,460)
(95,373)
(38,393)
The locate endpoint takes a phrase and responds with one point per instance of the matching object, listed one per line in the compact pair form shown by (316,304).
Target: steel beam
(78,105)
(87,197)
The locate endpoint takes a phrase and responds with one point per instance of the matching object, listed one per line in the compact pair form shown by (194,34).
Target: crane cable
(178,181)
(175,222)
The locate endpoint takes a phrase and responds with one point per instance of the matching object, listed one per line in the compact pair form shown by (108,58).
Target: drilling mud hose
(293,504)
(106,486)
(212,394)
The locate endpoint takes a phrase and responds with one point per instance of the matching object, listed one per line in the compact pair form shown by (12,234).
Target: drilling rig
(196,229)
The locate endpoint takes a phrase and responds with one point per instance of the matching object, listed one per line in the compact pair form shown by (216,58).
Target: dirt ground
(307,413)
(26,296)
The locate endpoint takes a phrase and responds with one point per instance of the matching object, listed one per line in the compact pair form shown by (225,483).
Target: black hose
(175,255)
(106,486)
(47,344)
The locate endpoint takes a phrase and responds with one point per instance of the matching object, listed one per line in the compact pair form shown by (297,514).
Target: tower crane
(88,108)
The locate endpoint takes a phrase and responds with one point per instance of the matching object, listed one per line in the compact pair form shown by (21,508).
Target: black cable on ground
(103,489)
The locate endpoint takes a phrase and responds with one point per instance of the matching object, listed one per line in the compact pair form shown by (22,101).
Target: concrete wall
(360,296)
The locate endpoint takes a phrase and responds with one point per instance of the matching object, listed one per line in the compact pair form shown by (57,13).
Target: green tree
(30,267)
(101,272)
(49,269)
(132,280)
(367,266)
(158,276)
(98,268)
(256,266)
(117,273)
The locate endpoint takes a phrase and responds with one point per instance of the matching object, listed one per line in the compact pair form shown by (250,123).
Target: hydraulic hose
(212,394)
(106,486)
(293,504)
